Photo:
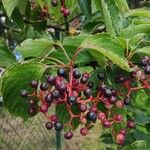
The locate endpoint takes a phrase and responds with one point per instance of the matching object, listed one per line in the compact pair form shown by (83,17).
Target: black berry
(107,93)
(24,93)
(82,107)
(84,80)
(101,76)
(127,101)
(55,94)
(71,100)
(58,126)
(61,72)
(48,98)
(62,88)
(91,116)
(51,79)
(54,3)
(90,85)
(31,111)
(76,74)
(147,70)
(44,86)
(88,92)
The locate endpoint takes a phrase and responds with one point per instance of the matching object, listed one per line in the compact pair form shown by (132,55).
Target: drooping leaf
(22,6)
(6,57)
(122,5)
(15,79)
(140,13)
(133,30)
(113,51)
(9,6)
(144,50)
(138,145)
(35,48)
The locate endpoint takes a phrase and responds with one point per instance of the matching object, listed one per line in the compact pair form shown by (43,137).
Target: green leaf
(113,51)
(111,15)
(122,5)
(141,118)
(35,48)
(140,13)
(85,6)
(9,6)
(144,50)
(21,5)
(133,30)
(6,57)
(15,79)
(138,145)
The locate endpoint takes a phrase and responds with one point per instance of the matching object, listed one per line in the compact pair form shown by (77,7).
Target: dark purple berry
(91,116)
(24,93)
(68,135)
(131,124)
(44,86)
(48,98)
(58,126)
(49,125)
(102,88)
(88,92)
(127,101)
(62,88)
(84,80)
(90,85)
(71,100)
(83,131)
(31,111)
(44,108)
(34,84)
(82,107)
(54,3)
(61,72)
(145,61)
(118,118)
(76,74)
(114,92)
(55,94)
(107,93)
(123,131)
(51,79)
(147,70)
(101,76)
(112,100)
(120,78)
(31,102)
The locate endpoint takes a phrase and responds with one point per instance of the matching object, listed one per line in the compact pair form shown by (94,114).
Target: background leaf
(15,79)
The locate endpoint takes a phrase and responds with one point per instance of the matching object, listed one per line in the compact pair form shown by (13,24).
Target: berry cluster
(71,88)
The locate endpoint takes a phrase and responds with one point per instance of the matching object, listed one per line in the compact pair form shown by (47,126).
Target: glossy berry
(24,93)
(114,92)
(49,125)
(31,102)
(51,79)
(54,3)
(88,92)
(102,88)
(62,88)
(83,131)
(58,126)
(90,85)
(55,94)
(44,108)
(147,70)
(61,72)
(107,93)
(127,101)
(48,98)
(66,12)
(118,118)
(34,83)
(120,139)
(84,80)
(82,107)
(145,61)
(86,75)
(112,99)
(120,78)
(131,124)
(106,123)
(44,86)
(76,74)
(68,135)
(91,116)
(101,116)
(94,109)
(71,100)
(53,118)
(62,9)
(31,111)
(101,76)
